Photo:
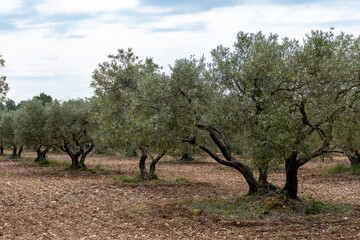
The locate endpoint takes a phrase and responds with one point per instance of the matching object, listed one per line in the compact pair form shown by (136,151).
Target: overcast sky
(53,46)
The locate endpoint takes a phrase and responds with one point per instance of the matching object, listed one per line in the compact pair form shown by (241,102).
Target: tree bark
(249,177)
(75,161)
(84,154)
(263,174)
(221,141)
(154,161)
(142,161)
(14,154)
(20,151)
(354,158)
(291,167)
(1,148)
(41,154)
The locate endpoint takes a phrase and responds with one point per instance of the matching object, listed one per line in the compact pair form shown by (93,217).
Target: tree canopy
(3,85)
(262,102)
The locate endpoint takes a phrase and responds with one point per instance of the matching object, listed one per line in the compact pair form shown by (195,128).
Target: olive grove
(261,103)
(274,101)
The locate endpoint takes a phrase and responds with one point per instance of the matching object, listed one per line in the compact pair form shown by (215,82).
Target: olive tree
(3,85)
(313,100)
(69,124)
(3,90)
(280,99)
(7,132)
(347,127)
(347,134)
(43,98)
(251,75)
(132,96)
(31,127)
(239,87)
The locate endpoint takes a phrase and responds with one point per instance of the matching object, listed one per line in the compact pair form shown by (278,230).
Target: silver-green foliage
(131,97)
(31,127)
(7,129)
(70,127)
(3,85)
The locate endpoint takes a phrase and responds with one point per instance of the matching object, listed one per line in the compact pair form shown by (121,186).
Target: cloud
(190,5)
(55,46)
(197,26)
(8,6)
(71,6)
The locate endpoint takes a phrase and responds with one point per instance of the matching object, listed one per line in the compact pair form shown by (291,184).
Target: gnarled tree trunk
(142,164)
(354,158)
(142,161)
(14,153)
(1,148)
(263,174)
(41,154)
(77,158)
(221,141)
(155,161)
(84,154)
(291,168)
(75,161)
(20,151)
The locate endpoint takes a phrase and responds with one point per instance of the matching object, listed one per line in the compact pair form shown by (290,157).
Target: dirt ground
(48,202)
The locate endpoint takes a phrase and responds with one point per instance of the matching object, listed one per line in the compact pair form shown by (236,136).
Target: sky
(53,46)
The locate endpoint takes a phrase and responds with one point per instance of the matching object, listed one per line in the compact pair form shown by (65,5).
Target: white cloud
(66,64)
(76,6)
(8,6)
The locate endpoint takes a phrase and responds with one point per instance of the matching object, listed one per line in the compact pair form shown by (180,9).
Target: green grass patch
(182,179)
(355,170)
(26,162)
(255,207)
(44,161)
(314,207)
(54,163)
(338,168)
(124,179)
(342,168)
(98,168)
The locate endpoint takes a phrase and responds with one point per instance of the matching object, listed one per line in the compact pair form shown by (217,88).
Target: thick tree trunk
(41,154)
(354,158)
(249,178)
(1,148)
(155,161)
(14,154)
(223,144)
(264,186)
(291,185)
(263,174)
(20,151)
(142,166)
(75,161)
(84,154)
